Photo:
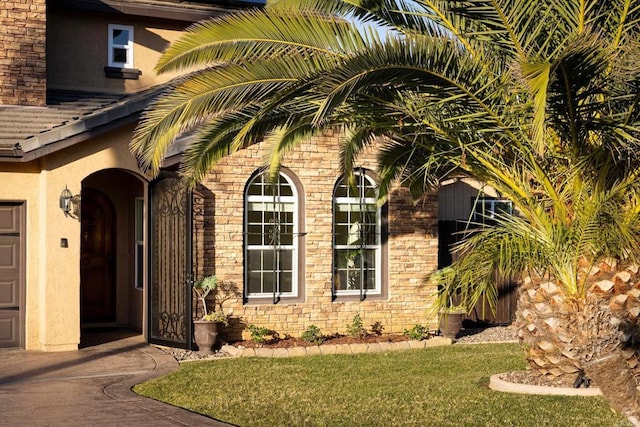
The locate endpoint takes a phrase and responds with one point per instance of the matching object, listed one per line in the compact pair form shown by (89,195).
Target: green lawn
(443,386)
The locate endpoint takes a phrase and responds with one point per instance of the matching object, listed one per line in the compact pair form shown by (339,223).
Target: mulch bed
(531,378)
(288,342)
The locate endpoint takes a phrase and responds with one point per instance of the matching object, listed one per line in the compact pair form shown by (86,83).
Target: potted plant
(450,313)
(205,330)
(450,320)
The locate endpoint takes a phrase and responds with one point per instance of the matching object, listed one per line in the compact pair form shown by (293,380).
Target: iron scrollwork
(170,198)
(170,326)
(169,312)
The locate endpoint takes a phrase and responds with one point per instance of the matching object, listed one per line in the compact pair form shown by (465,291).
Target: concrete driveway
(91,386)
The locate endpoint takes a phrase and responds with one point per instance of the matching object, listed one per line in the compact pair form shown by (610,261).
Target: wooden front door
(12,281)
(97,258)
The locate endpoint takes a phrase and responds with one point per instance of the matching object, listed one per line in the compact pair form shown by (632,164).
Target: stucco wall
(22,183)
(412,246)
(52,271)
(80,66)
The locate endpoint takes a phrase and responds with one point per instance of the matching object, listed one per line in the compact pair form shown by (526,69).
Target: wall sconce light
(65,201)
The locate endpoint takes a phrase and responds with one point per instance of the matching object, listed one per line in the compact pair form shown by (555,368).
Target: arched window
(271,238)
(357,238)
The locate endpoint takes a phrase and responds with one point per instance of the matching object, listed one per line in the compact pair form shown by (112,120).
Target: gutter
(15,152)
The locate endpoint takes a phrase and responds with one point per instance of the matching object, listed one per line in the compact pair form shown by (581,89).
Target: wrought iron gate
(170,262)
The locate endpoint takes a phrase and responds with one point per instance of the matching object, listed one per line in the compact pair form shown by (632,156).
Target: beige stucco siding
(16,185)
(52,271)
(80,66)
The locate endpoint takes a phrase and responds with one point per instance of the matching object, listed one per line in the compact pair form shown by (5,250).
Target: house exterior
(87,240)
(339,253)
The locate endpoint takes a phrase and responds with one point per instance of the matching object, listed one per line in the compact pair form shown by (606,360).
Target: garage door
(11,275)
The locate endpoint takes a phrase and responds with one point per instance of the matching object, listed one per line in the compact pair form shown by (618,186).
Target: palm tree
(538,99)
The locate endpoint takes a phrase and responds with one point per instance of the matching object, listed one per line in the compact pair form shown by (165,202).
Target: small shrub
(217,316)
(259,334)
(356,329)
(313,335)
(418,332)
(377,328)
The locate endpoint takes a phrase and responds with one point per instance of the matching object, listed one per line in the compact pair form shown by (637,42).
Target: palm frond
(253,35)
(537,99)
(281,140)
(537,77)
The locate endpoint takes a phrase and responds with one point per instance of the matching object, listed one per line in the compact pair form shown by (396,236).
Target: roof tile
(68,112)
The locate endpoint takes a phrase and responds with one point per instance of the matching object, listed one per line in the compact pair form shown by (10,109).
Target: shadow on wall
(78,46)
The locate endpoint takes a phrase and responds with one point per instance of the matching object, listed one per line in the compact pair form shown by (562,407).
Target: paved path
(90,387)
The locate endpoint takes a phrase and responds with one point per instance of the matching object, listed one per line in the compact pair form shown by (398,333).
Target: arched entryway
(97,258)
(112,261)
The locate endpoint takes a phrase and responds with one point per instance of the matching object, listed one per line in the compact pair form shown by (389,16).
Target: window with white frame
(139,243)
(120,46)
(486,210)
(271,243)
(357,248)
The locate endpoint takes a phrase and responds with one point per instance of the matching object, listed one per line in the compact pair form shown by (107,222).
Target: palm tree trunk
(594,333)
(612,375)
(540,324)
(604,346)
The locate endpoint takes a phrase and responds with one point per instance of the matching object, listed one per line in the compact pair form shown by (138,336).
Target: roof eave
(11,153)
(189,12)
(80,130)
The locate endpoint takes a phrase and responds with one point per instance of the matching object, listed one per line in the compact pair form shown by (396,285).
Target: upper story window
(357,238)
(120,46)
(272,241)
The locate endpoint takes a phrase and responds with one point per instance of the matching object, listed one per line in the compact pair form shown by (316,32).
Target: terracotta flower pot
(205,334)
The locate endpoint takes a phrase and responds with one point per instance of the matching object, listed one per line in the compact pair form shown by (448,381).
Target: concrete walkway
(89,387)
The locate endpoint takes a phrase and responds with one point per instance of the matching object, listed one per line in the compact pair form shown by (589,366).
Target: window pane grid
(354,267)
(356,240)
(271,247)
(486,210)
(263,267)
(120,52)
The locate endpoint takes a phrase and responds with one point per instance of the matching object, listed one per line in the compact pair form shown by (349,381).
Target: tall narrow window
(271,243)
(120,46)
(139,244)
(357,225)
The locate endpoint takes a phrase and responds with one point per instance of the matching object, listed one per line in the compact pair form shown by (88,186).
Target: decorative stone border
(498,384)
(316,350)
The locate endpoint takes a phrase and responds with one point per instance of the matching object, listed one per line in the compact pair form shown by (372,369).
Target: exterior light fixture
(65,201)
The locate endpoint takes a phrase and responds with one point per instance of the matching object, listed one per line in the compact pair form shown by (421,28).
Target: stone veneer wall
(23,70)
(412,247)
